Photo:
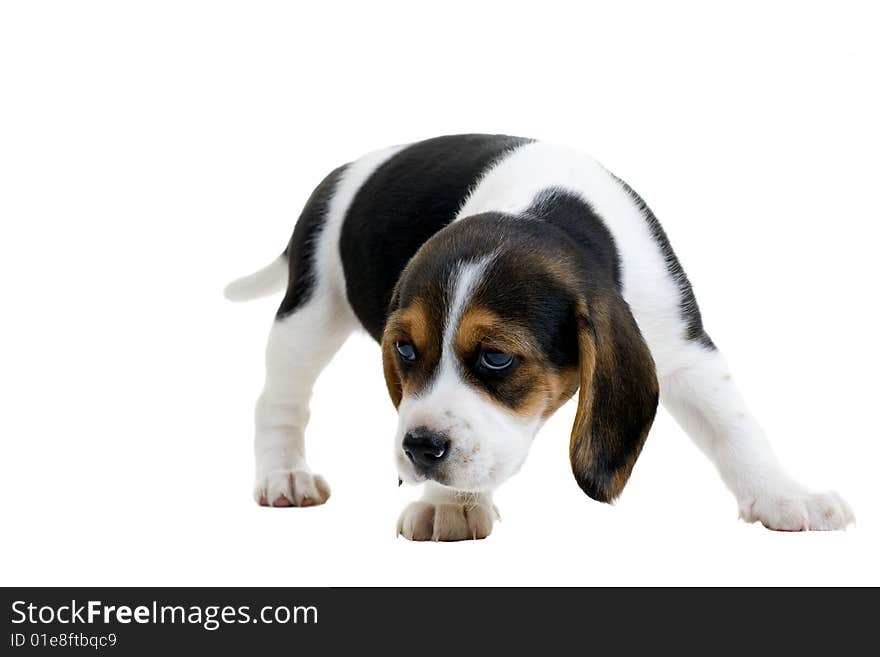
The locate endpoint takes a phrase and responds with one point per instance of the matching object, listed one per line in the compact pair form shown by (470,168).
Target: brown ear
(617,400)
(389,358)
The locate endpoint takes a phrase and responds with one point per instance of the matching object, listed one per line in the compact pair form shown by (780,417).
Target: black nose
(425,447)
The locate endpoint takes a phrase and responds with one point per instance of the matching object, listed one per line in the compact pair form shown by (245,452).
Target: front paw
(429,521)
(796,509)
(291,488)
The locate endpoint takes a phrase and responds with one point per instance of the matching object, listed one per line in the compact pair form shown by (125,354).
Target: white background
(151,152)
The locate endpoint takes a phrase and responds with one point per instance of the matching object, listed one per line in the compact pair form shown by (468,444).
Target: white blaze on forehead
(466,279)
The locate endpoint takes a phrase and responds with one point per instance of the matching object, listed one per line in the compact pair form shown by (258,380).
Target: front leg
(703,398)
(444,514)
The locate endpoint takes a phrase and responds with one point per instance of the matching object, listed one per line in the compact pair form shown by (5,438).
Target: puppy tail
(271,278)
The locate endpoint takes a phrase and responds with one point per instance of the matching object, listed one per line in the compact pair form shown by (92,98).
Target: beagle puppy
(502,276)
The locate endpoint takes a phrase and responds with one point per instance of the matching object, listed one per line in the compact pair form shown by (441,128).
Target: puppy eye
(495,360)
(406,351)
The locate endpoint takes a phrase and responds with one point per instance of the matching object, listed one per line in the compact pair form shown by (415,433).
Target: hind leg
(701,395)
(300,346)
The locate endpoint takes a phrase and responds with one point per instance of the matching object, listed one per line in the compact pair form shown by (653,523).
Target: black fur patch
(300,250)
(690,311)
(577,219)
(402,204)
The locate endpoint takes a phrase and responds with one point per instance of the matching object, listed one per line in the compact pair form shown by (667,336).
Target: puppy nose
(425,447)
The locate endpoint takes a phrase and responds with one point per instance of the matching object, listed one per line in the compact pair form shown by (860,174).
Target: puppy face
(493,325)
(475,368)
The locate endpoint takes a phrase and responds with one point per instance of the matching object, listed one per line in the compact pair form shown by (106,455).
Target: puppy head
(485,341)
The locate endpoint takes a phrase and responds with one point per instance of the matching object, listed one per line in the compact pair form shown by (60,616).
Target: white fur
(268,280)
(704,399)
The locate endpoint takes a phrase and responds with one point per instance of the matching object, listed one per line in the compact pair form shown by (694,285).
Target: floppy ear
(389,359)
(617,400)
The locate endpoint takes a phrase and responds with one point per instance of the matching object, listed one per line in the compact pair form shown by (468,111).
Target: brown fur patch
(419,326)
(415,322)
(535,387)
(617,401)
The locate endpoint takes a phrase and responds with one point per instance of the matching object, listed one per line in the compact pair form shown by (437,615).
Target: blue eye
(495,360)
(406,351)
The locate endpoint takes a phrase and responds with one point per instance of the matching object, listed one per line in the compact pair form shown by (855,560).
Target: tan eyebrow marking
(413,320)
(548,388)
(479,325)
